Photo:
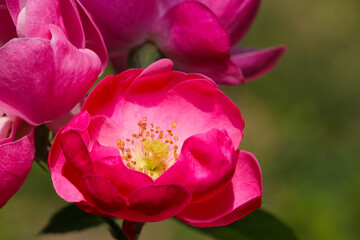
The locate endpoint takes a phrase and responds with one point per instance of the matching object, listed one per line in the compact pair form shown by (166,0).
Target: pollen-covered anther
(149,151)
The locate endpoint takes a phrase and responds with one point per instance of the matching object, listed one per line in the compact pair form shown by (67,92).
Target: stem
(115,230)
(132,229)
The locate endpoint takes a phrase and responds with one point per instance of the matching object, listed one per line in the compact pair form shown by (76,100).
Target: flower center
(151,150)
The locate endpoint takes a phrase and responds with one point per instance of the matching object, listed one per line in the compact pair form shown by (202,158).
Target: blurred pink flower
(51,53)
(199,36)
(155,143)
(17,154)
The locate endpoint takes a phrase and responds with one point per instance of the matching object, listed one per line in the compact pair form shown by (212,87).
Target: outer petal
(62,74)
(165,5)
(206,163)
(103,194)
(120,61)
(237,199)
(62,121)
(72,22)
(37,20)
(155,203)
(223,72)
(15,7)
(94,39)
(7,27)
(235,15)
(65,177)
(16,161)
(192,36)
(109,93)
(123,24)
(255,63)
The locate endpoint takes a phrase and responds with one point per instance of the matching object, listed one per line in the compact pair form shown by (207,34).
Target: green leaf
(71,218)
(258,225)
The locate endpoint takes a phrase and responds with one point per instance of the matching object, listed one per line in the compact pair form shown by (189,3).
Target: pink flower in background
(51,53)
(154,143)
(199,36)
(17,154)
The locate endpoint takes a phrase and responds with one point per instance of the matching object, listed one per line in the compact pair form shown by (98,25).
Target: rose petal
(5,128)
(192,36)
(15,162)
(15,7)
(7,27)
(62,74)
(109,93)
(103,194)
(255,63)
(120,61)
(108,164)
(155,203)
(37,20)
(160,66)
(191,31)
(151,97)
(237,199)
(135,17)
(67,179)
(55,126)
(76,152)
(105,131)
(72,23)
(236,15)
(222,72)
(94,40)
(206,163)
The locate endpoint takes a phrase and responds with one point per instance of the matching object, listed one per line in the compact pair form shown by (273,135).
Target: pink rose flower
(199,36)
(17,154)
(154,143)
(51,53)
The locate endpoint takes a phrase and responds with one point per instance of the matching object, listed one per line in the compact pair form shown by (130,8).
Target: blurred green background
(302,123)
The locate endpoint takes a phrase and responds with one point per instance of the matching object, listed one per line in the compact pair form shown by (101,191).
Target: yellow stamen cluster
(151,150)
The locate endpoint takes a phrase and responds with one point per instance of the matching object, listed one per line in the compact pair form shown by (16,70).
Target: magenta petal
(237,199)
(7,27)
(72,23)
(67,181)
(75,152)
(109,93)
(124,24)
(160,66)
(235,15)
(37,20)
(206,163)
(15,7)
(108,164)
(193,37)
(155,203)
(64,120)
(103,194)
(120,61)
(105,131)
(255,63)
(165,5)
(62,74)
(191,32)
(222,72)
(186,99)
(94,40)
(15,162)
(79,122)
